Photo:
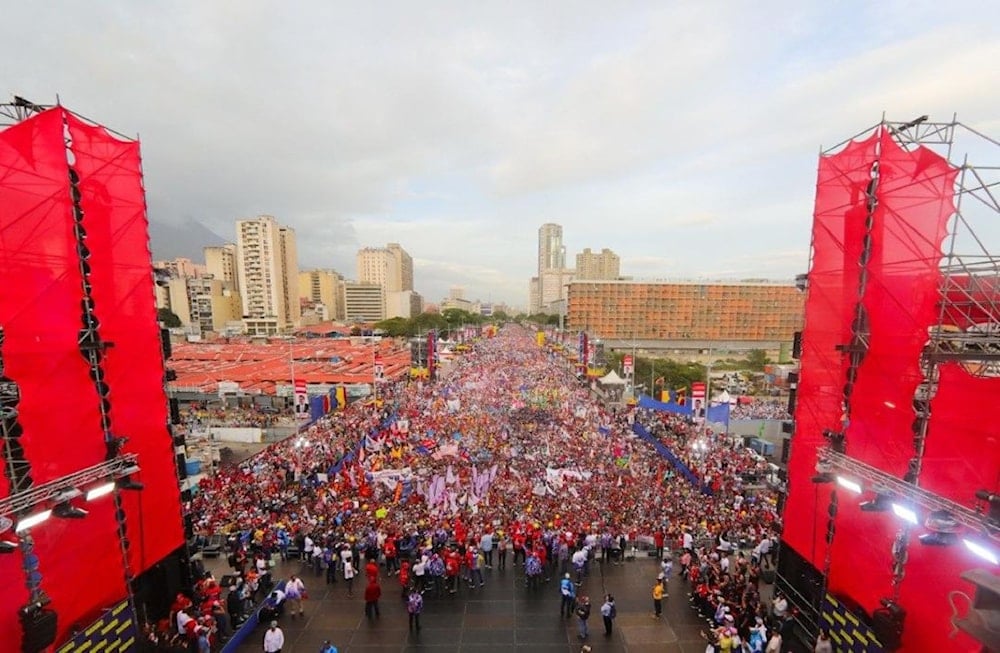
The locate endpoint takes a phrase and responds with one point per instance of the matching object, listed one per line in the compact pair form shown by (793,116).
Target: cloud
(682,135)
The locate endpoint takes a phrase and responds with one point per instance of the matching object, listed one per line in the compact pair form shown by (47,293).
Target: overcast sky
(682,135)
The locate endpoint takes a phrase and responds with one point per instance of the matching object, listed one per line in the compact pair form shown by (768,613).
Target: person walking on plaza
(414,606)
(657,599)
(295,591)
(582,614)
(274,639)
(608,613)
(349,575)
(372,594)
(568,591)
(502,550)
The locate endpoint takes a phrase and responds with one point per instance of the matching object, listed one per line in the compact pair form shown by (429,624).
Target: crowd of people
(506,456)
(758,408)
(205,416)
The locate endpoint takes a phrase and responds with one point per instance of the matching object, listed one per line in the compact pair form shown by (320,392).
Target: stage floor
(502,616)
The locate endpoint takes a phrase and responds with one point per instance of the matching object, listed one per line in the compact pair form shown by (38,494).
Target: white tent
(611,378)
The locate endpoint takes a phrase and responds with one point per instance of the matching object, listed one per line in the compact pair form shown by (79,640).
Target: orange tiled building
(654,310)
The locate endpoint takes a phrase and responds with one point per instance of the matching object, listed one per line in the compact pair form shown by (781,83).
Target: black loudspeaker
(165,344)
(788,426)
(797,345)
(791,401)
(786,450)
(793,379)
(175,411)
(888,626)
(182,466)
(39,630)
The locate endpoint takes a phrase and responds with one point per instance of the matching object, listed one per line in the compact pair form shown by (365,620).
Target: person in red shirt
(518,547)
(372,594)
(391,561)
(658,543)
(371,571)
(451,567)
(404,578)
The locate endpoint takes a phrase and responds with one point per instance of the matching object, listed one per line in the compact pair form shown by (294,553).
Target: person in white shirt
(295,591)
(688,541)
(274,639)
(182,620)
(779,606)
(419,569)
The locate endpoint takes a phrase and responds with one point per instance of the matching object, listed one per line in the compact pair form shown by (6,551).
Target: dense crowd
(508,455)
(201,416)
(758,408)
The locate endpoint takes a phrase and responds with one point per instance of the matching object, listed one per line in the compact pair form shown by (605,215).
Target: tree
(396,327)
(757,359)
(168,317)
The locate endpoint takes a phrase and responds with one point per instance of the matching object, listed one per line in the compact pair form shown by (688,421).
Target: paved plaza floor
(502,616)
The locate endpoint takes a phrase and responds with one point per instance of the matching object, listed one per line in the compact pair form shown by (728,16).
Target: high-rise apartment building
(180,268)
(267,269)
(220,262)
(686,311)
(204,304)
(391,268)
(603,266)
(323,287)
(404,263)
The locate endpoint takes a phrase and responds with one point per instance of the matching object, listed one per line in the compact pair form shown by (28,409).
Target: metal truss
(49,492)
(19,109)
(878,481)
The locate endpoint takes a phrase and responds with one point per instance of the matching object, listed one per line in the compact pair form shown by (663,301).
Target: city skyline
(682,137)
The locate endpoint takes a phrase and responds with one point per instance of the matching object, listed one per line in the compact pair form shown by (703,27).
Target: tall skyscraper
(220,262)
(552,272)
(267,269)
(605,266)
(551,251)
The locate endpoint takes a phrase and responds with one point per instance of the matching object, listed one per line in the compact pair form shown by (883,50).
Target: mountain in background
(185,240)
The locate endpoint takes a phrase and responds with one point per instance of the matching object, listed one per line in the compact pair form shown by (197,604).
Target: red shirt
(373,592)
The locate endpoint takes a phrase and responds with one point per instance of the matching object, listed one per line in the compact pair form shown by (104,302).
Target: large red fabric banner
(838,227)
(41,314)
(123,291)
(903,278)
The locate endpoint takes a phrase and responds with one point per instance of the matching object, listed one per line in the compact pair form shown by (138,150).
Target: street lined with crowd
(507,461)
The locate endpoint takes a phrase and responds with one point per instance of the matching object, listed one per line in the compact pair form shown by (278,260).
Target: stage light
(848,484)
(100,491)
(32,520)
(131,469)
(938,539)
(942,521)
(68,511)
(6,546)
(879,504)
(114,446)
(129,484)
(981,551)
(67,495)
(905,513)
